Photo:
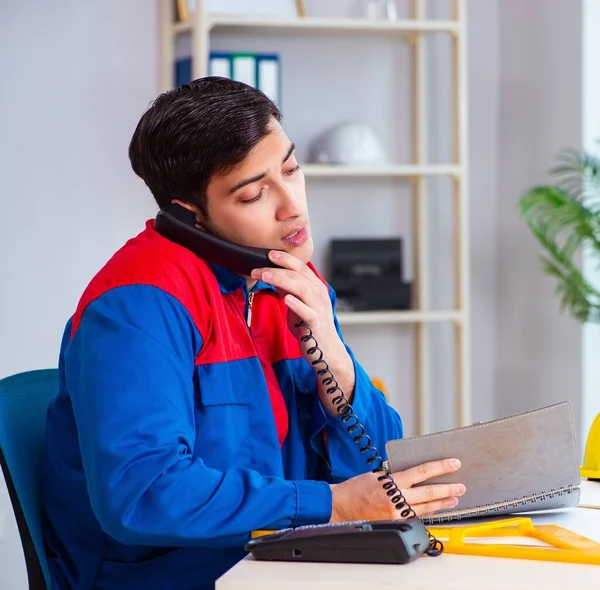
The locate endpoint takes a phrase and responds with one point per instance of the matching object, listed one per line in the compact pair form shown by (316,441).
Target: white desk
(446,571)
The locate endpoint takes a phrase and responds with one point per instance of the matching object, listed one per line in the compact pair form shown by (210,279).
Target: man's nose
(289,205)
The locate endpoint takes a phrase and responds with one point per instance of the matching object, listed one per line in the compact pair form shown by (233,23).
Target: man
(189,413)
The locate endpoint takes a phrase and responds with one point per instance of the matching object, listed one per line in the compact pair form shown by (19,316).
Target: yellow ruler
(562,544)
(261,533)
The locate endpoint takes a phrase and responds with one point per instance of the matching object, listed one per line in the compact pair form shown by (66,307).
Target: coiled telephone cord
(344,408)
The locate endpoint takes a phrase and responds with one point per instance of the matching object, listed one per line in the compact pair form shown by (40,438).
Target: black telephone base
(395,542)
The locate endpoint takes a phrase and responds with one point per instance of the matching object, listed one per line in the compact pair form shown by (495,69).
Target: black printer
(367,274)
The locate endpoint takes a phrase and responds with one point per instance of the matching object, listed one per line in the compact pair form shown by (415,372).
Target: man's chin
(304,254)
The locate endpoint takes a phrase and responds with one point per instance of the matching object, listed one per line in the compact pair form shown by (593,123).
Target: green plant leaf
(565,218)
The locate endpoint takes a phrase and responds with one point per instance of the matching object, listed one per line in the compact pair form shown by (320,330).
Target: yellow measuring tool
(562,544)
(261,533)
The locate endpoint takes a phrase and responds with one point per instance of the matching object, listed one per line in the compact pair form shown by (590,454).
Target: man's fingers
(286,260)
(284,280)
(431,493)
(305,313)
(425,471)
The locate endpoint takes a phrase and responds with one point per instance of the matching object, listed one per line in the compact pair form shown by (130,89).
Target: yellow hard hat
(591,458)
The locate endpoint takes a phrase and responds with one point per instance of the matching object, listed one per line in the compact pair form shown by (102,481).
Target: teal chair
(24,399)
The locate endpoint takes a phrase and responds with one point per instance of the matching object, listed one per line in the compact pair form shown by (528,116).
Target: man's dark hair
(195,131)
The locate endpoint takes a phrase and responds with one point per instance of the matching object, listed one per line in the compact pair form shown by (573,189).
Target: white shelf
(252,24)
(349,318)
(399,171)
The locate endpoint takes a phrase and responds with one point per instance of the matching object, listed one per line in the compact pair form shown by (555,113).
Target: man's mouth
(296,237)
(294,233)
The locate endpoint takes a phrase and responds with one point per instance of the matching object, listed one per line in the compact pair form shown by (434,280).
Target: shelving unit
(252,25)
(353,318)
(412,31)
(407,171)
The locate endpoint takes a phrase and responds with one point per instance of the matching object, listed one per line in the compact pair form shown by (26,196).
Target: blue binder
(268,72)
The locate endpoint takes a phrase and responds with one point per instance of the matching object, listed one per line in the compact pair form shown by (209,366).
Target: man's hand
(308,300)
(363,497)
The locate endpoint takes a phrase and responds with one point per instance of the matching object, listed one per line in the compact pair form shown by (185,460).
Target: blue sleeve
(129,371)
(381,422)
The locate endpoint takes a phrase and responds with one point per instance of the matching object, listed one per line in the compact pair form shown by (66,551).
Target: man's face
(262,202)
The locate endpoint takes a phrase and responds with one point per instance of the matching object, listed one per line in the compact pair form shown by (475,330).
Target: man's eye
(292,171)
(254,199)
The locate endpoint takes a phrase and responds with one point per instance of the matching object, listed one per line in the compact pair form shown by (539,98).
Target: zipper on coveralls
(249,315)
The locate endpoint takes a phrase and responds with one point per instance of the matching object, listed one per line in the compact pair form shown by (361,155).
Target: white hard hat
(348,143)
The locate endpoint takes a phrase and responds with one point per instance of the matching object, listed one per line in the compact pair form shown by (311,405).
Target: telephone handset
(359,542)
(178,224)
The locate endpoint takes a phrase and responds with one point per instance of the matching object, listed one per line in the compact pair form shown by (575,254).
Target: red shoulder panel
(150,259)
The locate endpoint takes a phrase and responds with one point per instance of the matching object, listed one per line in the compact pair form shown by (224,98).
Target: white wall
(483,65)
(76,76)
(538,350)
(76,79)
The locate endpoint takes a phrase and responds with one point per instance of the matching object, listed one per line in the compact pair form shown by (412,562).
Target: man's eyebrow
(258,177)
(243,183)
(289,153)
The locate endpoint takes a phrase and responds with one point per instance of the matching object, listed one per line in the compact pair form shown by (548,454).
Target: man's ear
(200,221)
